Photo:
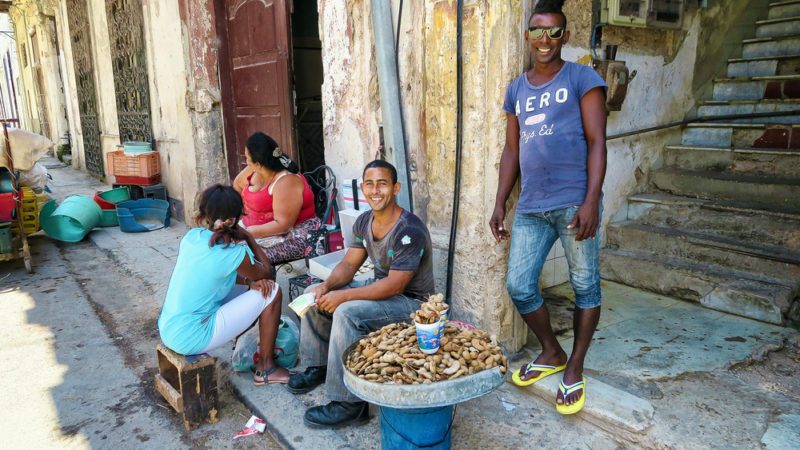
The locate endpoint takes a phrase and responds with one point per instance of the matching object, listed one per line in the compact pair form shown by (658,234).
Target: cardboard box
(322,266)
(350,196)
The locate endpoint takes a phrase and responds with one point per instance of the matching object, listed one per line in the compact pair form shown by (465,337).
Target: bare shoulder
(289,183)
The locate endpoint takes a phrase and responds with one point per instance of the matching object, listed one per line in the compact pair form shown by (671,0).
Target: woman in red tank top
(278,203)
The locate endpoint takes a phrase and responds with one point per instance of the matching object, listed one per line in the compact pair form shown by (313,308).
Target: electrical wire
(451,249)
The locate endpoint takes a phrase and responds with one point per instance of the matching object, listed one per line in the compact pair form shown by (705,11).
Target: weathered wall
(202,98)
(350,96)
(172,125)
(8,75)
(34,20)
(103,79)
(70,86)
(492,56)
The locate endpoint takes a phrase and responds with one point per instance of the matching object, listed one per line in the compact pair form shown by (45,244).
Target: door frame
(228,110)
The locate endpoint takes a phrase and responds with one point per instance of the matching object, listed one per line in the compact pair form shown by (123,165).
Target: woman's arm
(257,271)
(258,252)
(287,201)
(240,182)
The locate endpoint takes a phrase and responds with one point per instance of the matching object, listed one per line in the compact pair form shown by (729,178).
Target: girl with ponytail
(278,202)
(204,307)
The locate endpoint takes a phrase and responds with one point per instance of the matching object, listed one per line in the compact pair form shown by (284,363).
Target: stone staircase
(720,223)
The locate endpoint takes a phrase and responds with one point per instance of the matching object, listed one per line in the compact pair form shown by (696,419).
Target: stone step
(757,88)
(618,412)
(778,27)
(723,108)
(772,193)
(751,161)
(789,8)
(773,264)
(772,46)
(691,208)
(742,135)
(717,288)
(764,66)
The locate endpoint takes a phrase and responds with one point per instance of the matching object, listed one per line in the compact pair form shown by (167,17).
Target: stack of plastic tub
(137,167)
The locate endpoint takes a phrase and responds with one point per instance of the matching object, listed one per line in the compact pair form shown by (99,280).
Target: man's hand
(319,290)
(330,301)
(586,219)
(266,287)
(496,223)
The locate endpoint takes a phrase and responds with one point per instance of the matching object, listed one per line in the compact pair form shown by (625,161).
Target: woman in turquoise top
(204,307)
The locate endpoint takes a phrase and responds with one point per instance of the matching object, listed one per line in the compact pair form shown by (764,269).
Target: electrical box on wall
(643,13)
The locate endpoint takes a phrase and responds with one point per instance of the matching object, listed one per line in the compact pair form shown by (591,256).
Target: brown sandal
(261,377)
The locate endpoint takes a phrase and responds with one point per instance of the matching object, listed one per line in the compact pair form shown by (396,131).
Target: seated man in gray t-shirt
(399,246)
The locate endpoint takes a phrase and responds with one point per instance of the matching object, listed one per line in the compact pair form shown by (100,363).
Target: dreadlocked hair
(220,208)
(549,7)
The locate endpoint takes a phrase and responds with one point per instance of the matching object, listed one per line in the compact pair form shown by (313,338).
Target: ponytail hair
(219,209)
(265,151)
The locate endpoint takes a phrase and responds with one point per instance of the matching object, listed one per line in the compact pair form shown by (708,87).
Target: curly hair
(549,7)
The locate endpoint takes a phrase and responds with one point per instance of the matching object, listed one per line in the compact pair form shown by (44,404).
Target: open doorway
(307,74)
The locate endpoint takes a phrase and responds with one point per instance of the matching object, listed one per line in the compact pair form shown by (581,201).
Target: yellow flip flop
(565,391)
(544,370)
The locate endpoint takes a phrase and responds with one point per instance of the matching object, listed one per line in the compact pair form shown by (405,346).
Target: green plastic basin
(72,220)
(108,218)
(118,195)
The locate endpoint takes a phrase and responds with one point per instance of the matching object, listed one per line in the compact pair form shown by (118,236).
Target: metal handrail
(704,119)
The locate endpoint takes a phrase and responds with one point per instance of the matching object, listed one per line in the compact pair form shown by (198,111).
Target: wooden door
(254,74)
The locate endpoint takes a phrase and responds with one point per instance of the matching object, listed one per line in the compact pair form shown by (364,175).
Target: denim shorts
(532,237)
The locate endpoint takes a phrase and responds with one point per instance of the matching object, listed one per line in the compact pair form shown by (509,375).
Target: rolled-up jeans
(532,237)
(324,336)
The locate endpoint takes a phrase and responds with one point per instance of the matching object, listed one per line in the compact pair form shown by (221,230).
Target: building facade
(196,77)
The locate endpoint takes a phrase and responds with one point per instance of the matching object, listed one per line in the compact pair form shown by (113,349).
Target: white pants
(239,310)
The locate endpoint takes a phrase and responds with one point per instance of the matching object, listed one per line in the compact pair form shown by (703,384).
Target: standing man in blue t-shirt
(556,143)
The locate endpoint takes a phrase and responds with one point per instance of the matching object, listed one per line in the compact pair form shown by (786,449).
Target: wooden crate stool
(189,384)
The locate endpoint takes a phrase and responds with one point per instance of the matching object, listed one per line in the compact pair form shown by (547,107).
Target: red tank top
(258,205)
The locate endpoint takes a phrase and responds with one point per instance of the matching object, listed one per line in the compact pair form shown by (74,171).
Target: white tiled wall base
(555,270)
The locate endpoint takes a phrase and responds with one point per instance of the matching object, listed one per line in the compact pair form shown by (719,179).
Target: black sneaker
(337,414)
(302,382)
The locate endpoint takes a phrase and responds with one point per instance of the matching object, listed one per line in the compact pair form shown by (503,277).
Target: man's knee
(348,314)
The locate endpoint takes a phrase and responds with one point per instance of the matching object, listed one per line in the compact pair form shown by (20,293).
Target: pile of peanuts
(391,355)
(429,312)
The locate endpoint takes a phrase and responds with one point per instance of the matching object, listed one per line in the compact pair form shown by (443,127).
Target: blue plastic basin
(416,428)
(146,214)
(136,147)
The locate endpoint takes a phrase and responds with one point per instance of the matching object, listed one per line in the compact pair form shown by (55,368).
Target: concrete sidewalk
(661,372)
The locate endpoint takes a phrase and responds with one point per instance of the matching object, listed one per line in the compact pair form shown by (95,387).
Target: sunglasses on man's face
(552,32)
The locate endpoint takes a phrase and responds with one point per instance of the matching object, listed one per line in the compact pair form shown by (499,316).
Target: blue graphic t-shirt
(552,146)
